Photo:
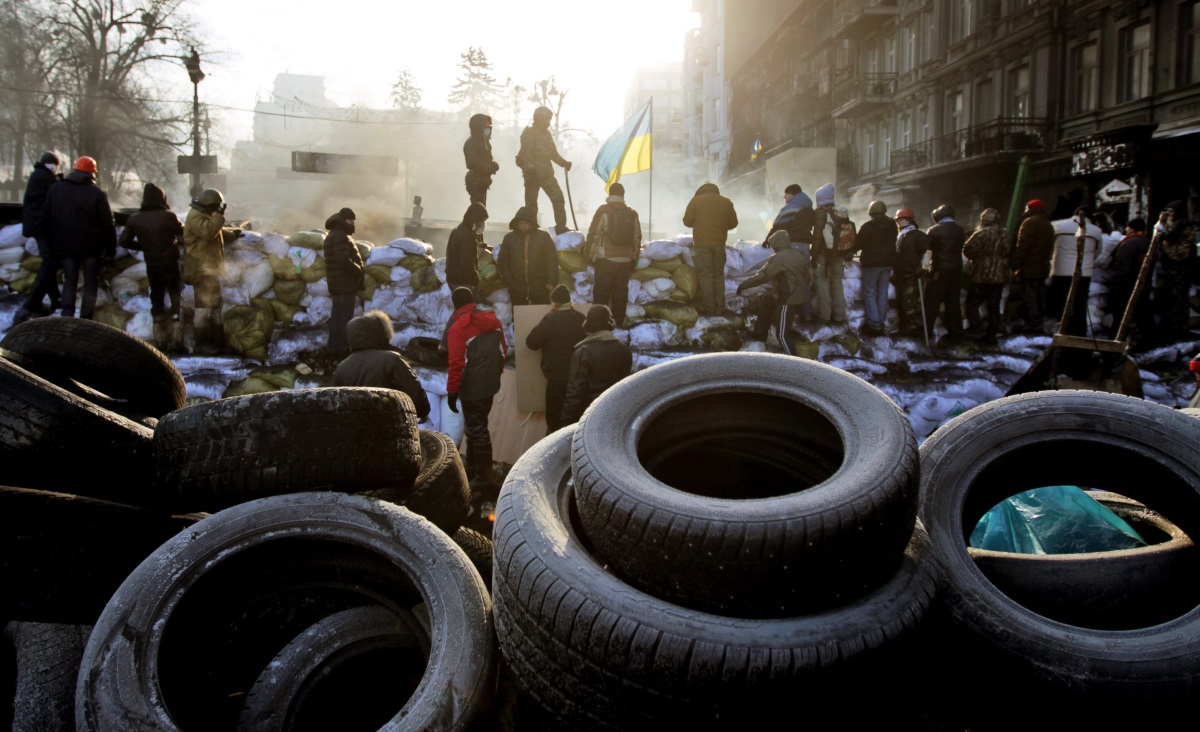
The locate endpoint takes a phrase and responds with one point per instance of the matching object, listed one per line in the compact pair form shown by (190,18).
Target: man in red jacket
(475,340)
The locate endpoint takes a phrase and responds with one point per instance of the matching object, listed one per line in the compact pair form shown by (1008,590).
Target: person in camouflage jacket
(534,158)
(1177,259)
(987,250)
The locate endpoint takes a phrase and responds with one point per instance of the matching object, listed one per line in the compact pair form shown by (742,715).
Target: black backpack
(622,221)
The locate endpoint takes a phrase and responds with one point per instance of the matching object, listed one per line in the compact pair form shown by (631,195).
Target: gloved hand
(236,233)
(741,287)
(495,166)
(567,166)
(221,208)
(1160,228)
(452,400)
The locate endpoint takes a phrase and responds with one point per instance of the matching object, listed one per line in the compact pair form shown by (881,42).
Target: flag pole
(650,212)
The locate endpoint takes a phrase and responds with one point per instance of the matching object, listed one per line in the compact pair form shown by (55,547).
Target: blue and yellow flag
(628,150)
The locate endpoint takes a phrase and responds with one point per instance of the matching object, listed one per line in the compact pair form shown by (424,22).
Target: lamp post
(196,75)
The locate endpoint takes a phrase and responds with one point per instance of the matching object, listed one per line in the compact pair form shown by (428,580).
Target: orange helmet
(86,164)
(905,213)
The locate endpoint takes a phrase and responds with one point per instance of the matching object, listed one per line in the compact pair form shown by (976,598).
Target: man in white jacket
(1062,268)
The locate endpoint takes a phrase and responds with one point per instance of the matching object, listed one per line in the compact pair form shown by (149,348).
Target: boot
(202,329)
(175,337)
(483,477)
(217,331)
(162,334)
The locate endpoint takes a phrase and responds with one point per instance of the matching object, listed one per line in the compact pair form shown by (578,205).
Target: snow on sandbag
(141,325)
(391,301)
(439,266)
(408,246)
(853,271)
(433,420)
(320,288)
(853,290)
(123,288)
(652,336)
(235,296)
(659,288)
(251,237)
(319,309)
(432,380)
(504,311)
(307,239)
(922,428)
(569,241)
(684,240)
(684,316)
(140,304)
(754,259)
(733,263)
(401,276)
(256,279)
(11,237)
(387,256)
(661,249)
(499,296)
(451,421)
(31,247)
(634,312)
(135,271)
(635,289)
(276,245)
(431,307)
(583,287)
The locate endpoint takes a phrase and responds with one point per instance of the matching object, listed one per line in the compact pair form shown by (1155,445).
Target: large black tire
(1142,450)
(442,491)
(214,455)
(479,550)
(105,358)
(352,670)
(63,556)
(599,654)
(749,484)
(189,631)
(425,351)
(48,656)
(1113,590)
(53,440)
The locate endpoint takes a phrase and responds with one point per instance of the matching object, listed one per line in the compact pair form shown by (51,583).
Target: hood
(708,188)
(478,122)
(153,198)
(476,212)
(824,195)
(372,329)
(799,201)
(1180,209)
(989,217)
(523,214)
(79,176)
(336,222)
(780,240)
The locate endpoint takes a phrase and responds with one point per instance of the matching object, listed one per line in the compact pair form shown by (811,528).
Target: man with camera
(204,237)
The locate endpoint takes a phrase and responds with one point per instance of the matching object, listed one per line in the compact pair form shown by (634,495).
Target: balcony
(853,18)
(864,94)
(1004,135)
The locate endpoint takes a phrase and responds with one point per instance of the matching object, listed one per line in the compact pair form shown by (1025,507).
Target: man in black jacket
(946,240)
(373,362)
(599,361)
(462,251)
(481,166)
(43,176)
(876,241)
(344,275)
(78,224)
(556,336)
(527,260)
(158,232)
(911,245)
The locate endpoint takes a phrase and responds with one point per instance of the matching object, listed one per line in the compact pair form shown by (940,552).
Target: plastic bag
(1053,520)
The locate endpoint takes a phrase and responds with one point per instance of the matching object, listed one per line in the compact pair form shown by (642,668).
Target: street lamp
(196,75)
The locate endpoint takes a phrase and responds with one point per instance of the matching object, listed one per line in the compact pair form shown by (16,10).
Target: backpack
(839,231)
(620,234)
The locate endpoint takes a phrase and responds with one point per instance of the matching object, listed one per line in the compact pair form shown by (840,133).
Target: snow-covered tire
(424,350)
(355,668)
(748,484)
(51,439)
(599,654)
(48,656)
(442,491)
(63,556)
(479,550)
(213,455)
(107,359)
(189,631)
(1107,441)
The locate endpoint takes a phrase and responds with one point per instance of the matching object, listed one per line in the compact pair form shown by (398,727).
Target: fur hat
(599,317)
(793,189)
(372,329)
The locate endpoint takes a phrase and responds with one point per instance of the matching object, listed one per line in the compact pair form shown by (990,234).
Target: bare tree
(406,95)
(26,122)
(476,89)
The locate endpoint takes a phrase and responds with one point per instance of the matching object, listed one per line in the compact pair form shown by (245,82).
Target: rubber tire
(599,654)
(278,698)
(479,550)
(102,357)
(51,439)
(214,455)
(442,491)
(1107,441)
(152,648)
(841,533)
(425,351)
(48,656)
(63,556)
(1111,590)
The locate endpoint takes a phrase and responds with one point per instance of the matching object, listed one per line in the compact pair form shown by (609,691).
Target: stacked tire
(718,539)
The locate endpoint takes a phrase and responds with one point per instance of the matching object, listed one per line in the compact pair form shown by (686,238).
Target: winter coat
(1066,248)
(77,221)
(343,262)
(987,248)
(820,247)
(598,232)
(876,240)
(154,229)
(1179,243)
(946,240)
(796,218)
(1035,245)
(527,262)
(475,340)
(599,361)
(203,244)
(462,251)
(912,248)
(477,151)
(372,363)
(34,202)
(788,269)
(555,336)
(710,216)
(537,150)
(1127,259)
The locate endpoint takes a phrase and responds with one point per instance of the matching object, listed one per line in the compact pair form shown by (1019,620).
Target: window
(1085,75)
(960,19)
(1018,92)
(889,55)
(869,159)
(1135,62)
(908,56)
(1190,43)
(985,108)
(927,29)
(955,119)
(886,162)
(905,131)
(923,115)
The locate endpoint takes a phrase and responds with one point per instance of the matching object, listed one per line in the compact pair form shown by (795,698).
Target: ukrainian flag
(628,150)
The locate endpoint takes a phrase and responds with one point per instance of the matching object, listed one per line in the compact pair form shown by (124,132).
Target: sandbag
(283,377)
(284,312)
(113,315)
(319,309)
(307,239)
(248,385)
(650,273)
(315,271)
(410,246)
(661,249)
(681,315)
(11,237)
(684,278)
(274,244)
(289,291)
(569,241)
(31,263)
(425,280)
(416,262)
(572,261)
(248,329)
(379,273)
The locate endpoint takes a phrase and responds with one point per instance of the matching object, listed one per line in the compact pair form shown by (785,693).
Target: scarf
(900,236)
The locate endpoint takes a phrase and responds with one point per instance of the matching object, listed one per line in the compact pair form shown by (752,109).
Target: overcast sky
(360,46)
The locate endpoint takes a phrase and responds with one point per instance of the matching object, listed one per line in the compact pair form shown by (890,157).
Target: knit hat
(616,189)
(461,296)
(347,214)
(793,189)
(599,317)
(560,295)
(1035,205)
(49,158)
(824,195)
(1137,224)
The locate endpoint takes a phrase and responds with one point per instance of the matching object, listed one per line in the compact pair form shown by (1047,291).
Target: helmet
(86,164)
(877,207)
(905,213)
(544,112)
(211,197)
(942,212)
